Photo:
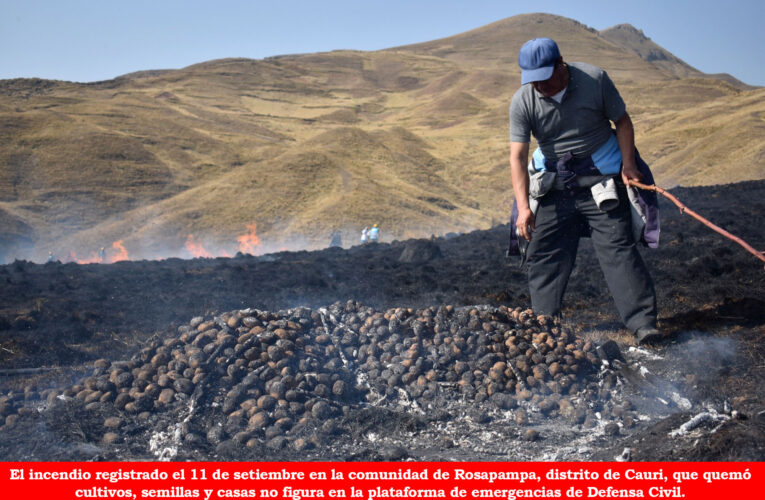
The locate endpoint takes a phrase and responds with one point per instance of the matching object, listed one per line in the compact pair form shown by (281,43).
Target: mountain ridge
(634,40)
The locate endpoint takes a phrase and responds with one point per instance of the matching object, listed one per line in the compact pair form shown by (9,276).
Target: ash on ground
(351,382)
(381,353)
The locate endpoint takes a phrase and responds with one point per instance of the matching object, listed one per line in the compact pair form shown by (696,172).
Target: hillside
(414,138)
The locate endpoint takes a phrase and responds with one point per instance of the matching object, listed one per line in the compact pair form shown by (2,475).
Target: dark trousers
(552,252)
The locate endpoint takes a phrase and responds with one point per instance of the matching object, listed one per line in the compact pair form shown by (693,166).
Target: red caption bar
(380,480)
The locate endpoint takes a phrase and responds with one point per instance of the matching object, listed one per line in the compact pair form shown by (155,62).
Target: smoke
(193,245)
(706,349)
(704,357)
(108,243)
(689,380)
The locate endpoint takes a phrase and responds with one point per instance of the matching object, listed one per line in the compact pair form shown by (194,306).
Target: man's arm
(519,159)
(625,136)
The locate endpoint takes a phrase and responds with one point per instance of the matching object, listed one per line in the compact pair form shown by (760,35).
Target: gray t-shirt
(579,123)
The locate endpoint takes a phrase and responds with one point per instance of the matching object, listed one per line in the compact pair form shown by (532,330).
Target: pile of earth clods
(292,382)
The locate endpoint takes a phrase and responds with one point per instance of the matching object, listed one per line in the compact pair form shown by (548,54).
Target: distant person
(365,236)
(102,254)
(51,258)
(374,234)
(336,239)
(568,108)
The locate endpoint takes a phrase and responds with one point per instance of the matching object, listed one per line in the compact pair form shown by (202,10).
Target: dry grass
(412,138)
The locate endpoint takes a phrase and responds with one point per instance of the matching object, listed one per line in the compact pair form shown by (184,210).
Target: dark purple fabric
(568,168)
(649,202)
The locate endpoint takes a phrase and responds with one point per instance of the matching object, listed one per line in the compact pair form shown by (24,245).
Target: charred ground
(63,317)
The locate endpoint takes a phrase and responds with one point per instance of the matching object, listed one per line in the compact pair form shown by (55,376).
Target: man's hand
(519,158)
(525,223)
(630,172)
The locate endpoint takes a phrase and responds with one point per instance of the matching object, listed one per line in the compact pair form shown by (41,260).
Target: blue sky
(85,40)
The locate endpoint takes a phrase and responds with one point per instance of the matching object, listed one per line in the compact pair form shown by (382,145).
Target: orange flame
(93,259)
(249,242)
(196,249)
(101,258)
(122,253)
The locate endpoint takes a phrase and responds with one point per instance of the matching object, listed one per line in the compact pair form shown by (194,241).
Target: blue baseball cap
(537,59)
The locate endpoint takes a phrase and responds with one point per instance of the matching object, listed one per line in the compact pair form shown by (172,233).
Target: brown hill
(413,138)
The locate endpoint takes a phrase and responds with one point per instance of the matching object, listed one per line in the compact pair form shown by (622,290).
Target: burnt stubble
(420,350)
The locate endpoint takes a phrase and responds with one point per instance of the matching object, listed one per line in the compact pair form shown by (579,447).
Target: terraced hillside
(289,149)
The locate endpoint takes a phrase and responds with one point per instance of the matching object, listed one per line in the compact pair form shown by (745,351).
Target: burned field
(421,350)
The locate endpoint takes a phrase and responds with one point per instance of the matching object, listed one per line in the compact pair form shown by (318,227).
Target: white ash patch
(704,418)
(644,353)
(681,402)
(164,444)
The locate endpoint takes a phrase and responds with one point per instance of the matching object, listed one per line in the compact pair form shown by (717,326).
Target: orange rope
(686,210)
